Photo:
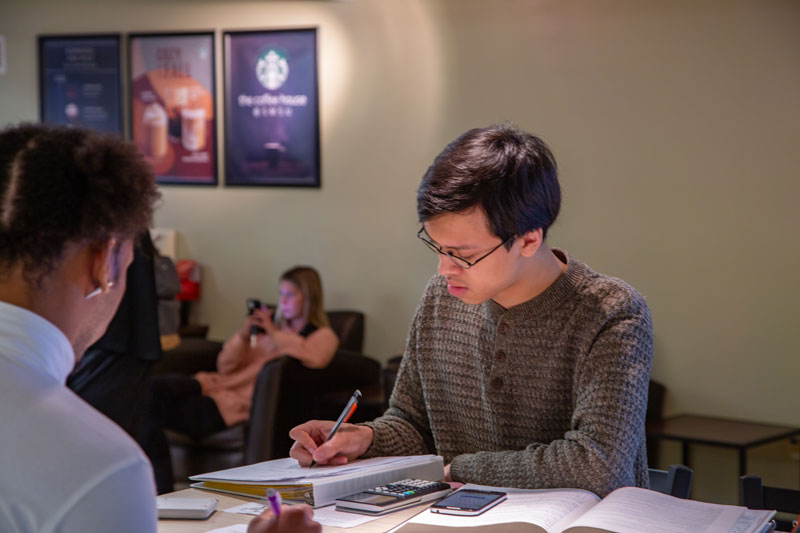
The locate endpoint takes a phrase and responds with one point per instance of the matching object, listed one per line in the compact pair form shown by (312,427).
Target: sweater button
(503,328)
(500,356)
(497,383)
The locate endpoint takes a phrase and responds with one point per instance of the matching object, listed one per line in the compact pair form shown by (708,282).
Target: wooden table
(738,434)
(222,519)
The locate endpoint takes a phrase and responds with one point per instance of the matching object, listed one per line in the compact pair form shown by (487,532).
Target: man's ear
(104,264)
(531,241)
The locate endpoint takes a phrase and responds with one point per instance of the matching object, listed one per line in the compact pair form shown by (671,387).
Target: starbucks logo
(272,69)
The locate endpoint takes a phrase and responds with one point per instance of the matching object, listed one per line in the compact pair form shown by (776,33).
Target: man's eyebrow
(443,247)
(463,247)
(459,248)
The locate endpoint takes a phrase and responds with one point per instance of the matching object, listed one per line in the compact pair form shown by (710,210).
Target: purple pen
(274,498)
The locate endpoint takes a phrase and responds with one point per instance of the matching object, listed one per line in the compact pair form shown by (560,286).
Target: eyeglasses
(459,261)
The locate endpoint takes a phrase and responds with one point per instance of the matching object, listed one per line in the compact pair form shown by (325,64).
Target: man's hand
(350,442)
(447,479)
(294,519)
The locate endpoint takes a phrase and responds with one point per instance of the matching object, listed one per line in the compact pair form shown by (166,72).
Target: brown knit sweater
(549,393)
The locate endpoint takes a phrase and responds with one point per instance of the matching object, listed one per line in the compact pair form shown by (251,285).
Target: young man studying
(523,367)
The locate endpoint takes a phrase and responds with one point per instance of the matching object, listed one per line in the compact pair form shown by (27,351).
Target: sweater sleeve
(404,429)
(607,425)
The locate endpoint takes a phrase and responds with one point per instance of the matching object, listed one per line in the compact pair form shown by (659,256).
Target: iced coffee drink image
(154,121)
(193,129)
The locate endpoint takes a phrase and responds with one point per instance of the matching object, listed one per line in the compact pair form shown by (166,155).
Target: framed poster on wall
(271,108)
(172,95)
(80,81)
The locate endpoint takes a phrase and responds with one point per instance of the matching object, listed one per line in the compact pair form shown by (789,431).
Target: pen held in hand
(347,412)
(275,501)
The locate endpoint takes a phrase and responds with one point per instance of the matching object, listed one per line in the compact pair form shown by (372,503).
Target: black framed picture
(80,81)
(172,105)
(271,108)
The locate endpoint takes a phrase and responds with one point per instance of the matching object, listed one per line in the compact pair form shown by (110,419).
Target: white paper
(751,521)
(251,508)
(327,516)
(632,510)
(545,508)
(288,470)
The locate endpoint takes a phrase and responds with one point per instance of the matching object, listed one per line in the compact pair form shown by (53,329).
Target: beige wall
(675,125)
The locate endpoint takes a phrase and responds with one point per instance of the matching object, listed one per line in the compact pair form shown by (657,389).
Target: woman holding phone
(208,402)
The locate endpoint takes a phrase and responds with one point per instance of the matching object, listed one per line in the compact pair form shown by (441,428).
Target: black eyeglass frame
(459,261)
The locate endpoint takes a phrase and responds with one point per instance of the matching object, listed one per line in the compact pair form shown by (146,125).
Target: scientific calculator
(393,496)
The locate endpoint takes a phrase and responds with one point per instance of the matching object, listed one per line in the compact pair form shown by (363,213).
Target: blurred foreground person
(71,203)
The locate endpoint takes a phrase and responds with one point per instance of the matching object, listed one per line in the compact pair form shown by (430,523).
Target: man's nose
(447,266)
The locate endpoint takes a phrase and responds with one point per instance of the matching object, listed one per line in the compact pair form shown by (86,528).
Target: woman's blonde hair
(307,280)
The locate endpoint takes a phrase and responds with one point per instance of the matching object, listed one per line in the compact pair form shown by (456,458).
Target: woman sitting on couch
(212,401)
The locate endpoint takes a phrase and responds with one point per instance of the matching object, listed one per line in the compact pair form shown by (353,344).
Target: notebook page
(632,510)
(548,509)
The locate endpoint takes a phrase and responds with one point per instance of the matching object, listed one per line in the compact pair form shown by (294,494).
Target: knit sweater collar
(548,300)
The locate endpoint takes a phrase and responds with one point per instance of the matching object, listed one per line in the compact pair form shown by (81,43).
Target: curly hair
(63,185)
(510,174)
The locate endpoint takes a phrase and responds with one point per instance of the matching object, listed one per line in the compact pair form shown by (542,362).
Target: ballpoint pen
(347,412)
(274,498)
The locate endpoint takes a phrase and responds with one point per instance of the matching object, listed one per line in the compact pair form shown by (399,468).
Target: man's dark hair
(510,174)
(67,185)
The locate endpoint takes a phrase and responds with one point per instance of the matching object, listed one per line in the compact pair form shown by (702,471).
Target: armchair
(349,327)
(286,394)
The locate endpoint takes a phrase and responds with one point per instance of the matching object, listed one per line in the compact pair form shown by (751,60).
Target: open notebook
(626,510)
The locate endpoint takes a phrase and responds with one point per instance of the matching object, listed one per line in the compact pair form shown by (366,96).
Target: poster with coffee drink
(172,99)
(271,108)
(80,81)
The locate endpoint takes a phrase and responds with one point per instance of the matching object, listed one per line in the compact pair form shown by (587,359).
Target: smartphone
(468,502)
(252,305)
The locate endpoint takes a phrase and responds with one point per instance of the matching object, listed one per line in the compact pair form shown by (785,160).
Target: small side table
(728,433)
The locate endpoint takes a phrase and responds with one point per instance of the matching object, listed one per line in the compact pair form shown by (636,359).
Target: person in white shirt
(71,203)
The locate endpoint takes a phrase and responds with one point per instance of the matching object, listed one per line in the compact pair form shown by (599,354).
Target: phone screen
(469,500)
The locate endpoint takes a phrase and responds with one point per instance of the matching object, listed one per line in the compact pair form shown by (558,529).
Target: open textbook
(626,510)
(319,485)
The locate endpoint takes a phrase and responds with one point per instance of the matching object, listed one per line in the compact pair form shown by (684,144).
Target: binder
(319,487)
